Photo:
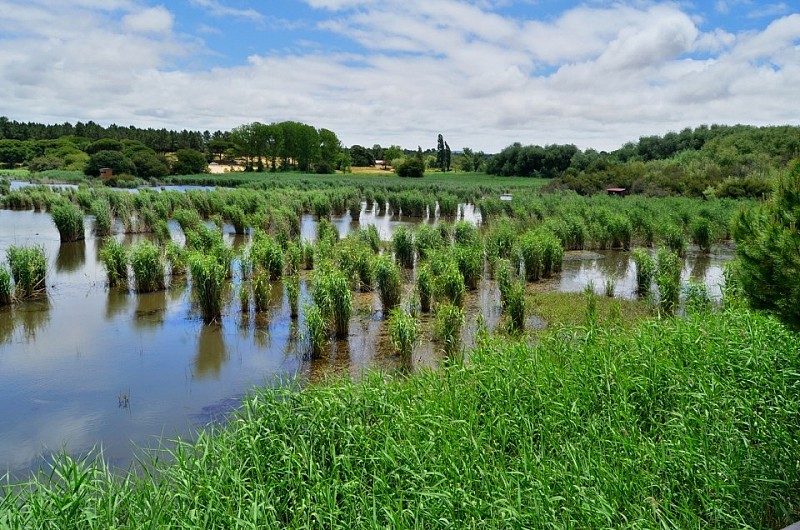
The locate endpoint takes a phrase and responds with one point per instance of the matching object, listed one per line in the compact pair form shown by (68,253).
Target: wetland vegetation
(495,382)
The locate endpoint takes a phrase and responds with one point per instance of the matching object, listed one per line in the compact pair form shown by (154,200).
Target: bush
(768,260)
(411,167)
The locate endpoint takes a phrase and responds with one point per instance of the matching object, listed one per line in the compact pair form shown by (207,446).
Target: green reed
(387,278)
(148,267)
(68,218)
(403,331)
(114,256)
(29,269)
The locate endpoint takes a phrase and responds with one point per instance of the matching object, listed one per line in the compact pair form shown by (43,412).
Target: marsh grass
(387,278)
(447,326)
(208,284)
(449,284)
(403,331)
(332,295)
(668,279)
(29,269)
(6,291)
(514,306)
(316,330)
(103,217)
(425,287)
(114,256)
(68,218)
(403,243)
(147,266)
(645,270)
(261,290)
(293,294)
(176,257)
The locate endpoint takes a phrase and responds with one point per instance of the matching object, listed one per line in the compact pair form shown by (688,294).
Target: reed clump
(404,332)
(387,278)
(68,218)
(403,243)
(668,279)
(103,218)
(29,269)
(447,327)
(114,256)
(148,267)
(6,292)
(645,270)
(208,284)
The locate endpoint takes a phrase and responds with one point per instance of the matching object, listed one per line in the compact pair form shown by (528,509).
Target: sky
(484,73)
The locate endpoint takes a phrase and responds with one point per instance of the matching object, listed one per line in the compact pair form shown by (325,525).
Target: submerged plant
(148,268)
(29,270)
(404,331)
(68,218)
(114,256)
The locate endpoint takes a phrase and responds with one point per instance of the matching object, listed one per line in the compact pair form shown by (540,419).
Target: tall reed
(645,270)
(68,218)
(293,294)
(449,285)
(668,279)
(208,283)
(447,328)
(403,243)
(103,218)
(176,257)
(114,256)
(332,295)
(425,287)
(147,266)
(316,330)
(5,286)
(261,290)
(387,277)
(29,270)
(515,306)
(404,332)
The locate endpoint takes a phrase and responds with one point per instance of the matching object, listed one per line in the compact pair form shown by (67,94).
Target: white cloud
(153,20)
(592,76)
(218,9)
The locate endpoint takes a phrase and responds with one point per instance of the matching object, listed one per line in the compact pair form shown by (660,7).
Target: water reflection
(116,302)
(150,309)
(211,352)
(71,256)
(33,315)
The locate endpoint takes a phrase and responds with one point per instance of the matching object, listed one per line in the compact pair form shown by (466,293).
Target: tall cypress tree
(440,157)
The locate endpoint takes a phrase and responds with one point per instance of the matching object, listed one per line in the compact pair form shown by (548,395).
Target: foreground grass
(686,423)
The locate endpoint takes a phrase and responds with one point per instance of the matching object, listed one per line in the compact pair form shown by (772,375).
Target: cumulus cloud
(594,76)
(153,20)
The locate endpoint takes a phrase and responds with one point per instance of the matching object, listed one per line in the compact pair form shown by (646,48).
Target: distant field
(374,177)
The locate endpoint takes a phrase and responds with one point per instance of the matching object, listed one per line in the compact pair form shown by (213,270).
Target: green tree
(411,167)
(149,165)
(105,144)
(114,160)
(189,162)
(440,155)
(392,153)
(768,250)
(447,157)
(12,152)
(361,156)
(329,147)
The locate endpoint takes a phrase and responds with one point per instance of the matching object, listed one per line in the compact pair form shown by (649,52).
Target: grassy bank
(685,423)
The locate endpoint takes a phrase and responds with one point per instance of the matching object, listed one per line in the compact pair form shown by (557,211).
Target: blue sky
(485,73)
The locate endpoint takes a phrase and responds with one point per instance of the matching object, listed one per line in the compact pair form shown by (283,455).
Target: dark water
(92,367)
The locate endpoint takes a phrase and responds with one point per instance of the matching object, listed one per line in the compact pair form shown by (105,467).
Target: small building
(506,197)
(106,173)
(620,192)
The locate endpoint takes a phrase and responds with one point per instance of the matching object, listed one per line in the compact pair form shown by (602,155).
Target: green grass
(68,218)
(29,269)
(208,284)
(682,423)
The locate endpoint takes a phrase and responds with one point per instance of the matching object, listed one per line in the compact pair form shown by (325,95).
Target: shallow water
(88,367)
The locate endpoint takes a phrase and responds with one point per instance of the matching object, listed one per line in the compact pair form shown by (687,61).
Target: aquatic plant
(292,283)
(387,278)
(147,266)
(6,291)
(261,290)
(176,257)
(702,233)
(447,327)
(332,295)
(668,279)
(208,283)
(449,285)
(114,256)
(403,331)
(316,330)
(425,287)
(68,218)
(645,270)
(515,306)
(29,269)
(103,218)
(403,243)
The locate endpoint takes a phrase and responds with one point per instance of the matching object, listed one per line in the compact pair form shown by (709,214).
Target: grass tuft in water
(404,332)
(114,256)
(208,284)
(29,269)
(403,243)
(514,305)
(68,218)
(387,277)
(293,294)
(316,330)
(645,270)
(103,218)
(447,327)
(261,290)
(6,292)
(425,287)
(147,266)
(668,279)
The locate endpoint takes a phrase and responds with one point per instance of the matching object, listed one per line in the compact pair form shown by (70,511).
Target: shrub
(411,167)
(68,218)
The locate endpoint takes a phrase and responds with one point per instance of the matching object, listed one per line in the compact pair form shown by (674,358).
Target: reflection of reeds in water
(7,324)
(211,351)
(71,256)
(150,309)
(33,315)
(116,303)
